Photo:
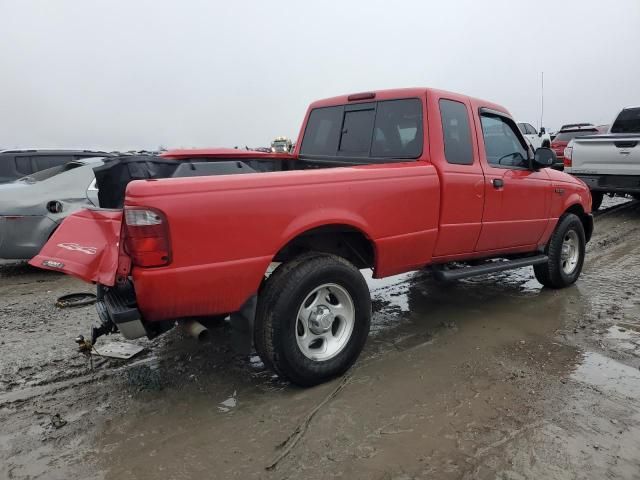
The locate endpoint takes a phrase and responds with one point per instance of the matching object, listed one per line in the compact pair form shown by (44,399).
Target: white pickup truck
(608,163)
(537,139)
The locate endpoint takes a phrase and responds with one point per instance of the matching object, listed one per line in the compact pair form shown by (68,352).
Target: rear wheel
(596,200)
(636,196)
(566,254)
(313,319)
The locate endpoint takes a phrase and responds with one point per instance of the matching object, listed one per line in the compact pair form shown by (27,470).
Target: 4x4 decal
(74,247)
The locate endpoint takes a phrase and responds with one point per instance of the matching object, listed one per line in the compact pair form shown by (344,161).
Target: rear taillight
(146,237)
(568,151)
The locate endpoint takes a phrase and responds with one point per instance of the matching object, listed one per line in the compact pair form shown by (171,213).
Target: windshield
(575,125)
(566,136)
(49,172)
(627,122)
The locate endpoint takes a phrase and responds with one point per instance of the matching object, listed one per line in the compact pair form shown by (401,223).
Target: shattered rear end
(86,245)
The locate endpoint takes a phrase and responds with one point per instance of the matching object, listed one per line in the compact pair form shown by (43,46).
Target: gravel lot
(492,377)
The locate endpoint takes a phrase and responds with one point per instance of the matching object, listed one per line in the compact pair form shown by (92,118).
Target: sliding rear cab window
(390,129)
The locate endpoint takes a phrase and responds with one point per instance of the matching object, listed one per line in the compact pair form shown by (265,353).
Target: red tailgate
(85,245)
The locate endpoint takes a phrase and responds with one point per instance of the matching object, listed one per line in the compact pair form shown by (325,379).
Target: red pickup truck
(394,181)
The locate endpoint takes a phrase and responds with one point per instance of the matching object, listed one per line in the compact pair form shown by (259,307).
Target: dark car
(563,137)
(16,164)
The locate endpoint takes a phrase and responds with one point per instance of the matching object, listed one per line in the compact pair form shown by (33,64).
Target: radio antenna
(542,103)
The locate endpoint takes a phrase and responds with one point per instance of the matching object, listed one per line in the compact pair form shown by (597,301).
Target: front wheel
(566,254)
(313,319)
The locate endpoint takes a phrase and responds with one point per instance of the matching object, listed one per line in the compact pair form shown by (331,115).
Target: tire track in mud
(612,271)
(594,429)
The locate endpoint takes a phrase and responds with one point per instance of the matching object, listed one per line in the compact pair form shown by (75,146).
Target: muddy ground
(493,377)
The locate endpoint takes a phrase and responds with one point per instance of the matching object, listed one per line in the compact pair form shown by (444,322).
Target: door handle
(497,183)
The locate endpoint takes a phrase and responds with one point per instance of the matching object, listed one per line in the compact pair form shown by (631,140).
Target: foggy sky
(125,74)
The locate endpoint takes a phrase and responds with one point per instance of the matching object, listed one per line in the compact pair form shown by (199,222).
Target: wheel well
(587,220)
(342,240)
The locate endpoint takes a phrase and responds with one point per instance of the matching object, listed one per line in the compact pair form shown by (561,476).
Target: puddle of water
(391,290)
(522,278)
(608,374)
(623,332)
(229,403)
(624,337)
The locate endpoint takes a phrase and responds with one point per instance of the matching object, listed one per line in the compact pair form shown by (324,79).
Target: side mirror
(544,157)
(542,131)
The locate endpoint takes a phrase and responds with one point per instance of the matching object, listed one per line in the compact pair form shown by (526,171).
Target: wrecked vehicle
(15,164)
(394,181)
(32,207)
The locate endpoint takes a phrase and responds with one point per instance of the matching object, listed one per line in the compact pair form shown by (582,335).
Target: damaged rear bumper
(118,311)
(117,307)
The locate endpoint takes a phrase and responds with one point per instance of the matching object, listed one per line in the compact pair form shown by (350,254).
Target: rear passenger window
(456,132)
(43,162)
(23,165)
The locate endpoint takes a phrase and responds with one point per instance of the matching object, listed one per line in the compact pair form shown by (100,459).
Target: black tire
(596,200)
(552,274)
(546,143)
(636,196)
(276,317)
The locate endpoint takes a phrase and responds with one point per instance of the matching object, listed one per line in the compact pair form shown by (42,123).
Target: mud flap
(242,326)
(85,245)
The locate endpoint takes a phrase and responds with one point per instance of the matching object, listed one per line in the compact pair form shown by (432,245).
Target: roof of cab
(397,93)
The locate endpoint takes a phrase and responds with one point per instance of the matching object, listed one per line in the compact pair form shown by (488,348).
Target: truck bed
(613,154)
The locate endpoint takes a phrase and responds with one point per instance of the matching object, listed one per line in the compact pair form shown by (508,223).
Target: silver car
(32,207)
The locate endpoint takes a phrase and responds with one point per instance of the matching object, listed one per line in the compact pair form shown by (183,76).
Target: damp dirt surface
(492,377)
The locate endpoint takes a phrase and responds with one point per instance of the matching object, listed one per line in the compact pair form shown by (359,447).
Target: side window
(531,130)
(522,127)
(23,165)
(502,144)
(456,132)
(356,132)
(398,129)
(323,131)
(48,161)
